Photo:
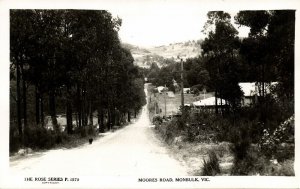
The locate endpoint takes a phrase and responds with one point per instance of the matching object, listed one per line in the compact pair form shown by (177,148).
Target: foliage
(284,133)
(70,62)
(157,120)
(211,167)
(194,74)
(220,49)
(15,141)
(269,49)
(39,137)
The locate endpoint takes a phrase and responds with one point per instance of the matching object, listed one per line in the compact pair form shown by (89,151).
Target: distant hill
(144,57)
(135,49)
(185,50)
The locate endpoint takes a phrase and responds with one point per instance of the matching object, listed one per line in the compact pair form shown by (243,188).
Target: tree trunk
(53,108)
(216,103)
(263,80)
(128,114)
(84,108)
(69,112)
(76,118)
(79,109)
(19,120)
(91,113)
(101,120)
(37,105)
(118,117)
(222,110)
(24,99)
(113,117)
(108,119)
(42,110)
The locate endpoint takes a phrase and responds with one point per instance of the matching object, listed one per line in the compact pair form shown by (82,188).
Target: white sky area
(155,25)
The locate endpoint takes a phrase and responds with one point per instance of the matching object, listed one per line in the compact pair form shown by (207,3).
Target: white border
(9,181)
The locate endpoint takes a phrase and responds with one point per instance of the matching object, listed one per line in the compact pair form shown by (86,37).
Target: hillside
(144,57)
(185,50)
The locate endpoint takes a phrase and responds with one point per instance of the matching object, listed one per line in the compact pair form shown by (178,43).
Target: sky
(158,24)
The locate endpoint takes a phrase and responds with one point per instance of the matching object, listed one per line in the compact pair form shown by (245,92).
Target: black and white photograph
(147,94)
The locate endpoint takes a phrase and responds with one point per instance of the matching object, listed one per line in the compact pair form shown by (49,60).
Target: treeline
(70,62)
(195,74)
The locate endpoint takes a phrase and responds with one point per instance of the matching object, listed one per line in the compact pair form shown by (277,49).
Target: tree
(269,50)
(75,59)
(220,49)
(196,74)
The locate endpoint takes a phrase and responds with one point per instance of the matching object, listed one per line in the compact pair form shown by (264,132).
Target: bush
(243,160)
(284,133)
(14,139)
(286,169)
(212,166)
(38,137)
(241,140)
(172,130)
(83,132)
(91,130)
(157,120)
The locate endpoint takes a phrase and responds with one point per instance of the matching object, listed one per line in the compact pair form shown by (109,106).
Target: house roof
(209,102)
(251,88)
(170,94)
(162,88)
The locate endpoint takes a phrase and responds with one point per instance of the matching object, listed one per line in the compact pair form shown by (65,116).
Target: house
(251,91)
(175,83)
(209,102)
(161,89)
(186,90)
(170,94)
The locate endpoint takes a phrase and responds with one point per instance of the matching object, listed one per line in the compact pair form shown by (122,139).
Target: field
(173,103)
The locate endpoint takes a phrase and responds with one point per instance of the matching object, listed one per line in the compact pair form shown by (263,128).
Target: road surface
(131,151)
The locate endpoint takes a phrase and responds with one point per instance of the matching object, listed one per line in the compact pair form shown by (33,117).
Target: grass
(211,167)
(173,104)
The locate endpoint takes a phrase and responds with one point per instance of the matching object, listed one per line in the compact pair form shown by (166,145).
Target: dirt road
(131,151)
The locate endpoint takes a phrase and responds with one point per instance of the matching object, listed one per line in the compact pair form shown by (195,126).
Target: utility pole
(182,95)
(165,105)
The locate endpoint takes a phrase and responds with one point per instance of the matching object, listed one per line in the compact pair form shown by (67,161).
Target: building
(186,90)
(161,89)
(251,91)
(170,94)
(208,102)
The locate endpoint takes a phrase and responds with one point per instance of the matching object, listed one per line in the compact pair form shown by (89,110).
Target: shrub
(91,130)
(172,130)
(241,140)
(284,133)
(286,169)
(14,139)
(211,167)
(157,120)
(241,144)
(36,136)
(83,132)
